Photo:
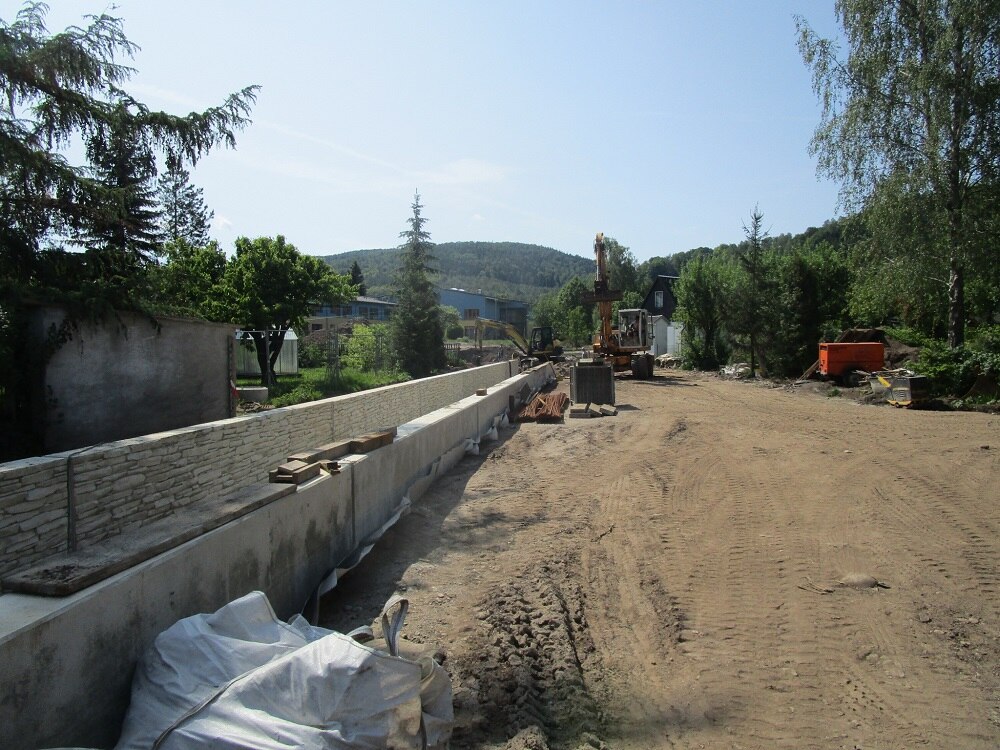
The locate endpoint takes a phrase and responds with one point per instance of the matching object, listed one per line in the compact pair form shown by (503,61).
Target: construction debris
(544,408)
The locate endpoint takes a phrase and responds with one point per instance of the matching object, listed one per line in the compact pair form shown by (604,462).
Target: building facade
(362,310)
(472,305)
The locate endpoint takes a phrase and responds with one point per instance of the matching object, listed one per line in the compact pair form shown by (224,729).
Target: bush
(985,339)
(298,395)
(907,336)
(952,372)
(312,355)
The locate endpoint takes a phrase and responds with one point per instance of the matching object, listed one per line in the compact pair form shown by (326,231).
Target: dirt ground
(674,576)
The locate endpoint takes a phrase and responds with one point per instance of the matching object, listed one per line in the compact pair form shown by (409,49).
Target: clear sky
(661,124)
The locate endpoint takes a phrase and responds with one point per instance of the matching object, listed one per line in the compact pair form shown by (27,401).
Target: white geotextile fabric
(241,678)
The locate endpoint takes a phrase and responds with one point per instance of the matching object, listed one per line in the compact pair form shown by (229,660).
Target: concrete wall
(67,663)
(132,378)
(98,492)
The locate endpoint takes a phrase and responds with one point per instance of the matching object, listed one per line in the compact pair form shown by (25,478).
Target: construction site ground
(700,571)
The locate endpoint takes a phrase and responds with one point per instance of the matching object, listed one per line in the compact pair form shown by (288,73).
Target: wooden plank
(294,472)
(371,441)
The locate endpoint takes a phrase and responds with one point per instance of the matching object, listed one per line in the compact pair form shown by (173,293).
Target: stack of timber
(547,408)
(304,465)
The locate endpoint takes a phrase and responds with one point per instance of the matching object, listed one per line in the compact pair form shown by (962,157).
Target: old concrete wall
(131,377)
(108,489)
(61,655)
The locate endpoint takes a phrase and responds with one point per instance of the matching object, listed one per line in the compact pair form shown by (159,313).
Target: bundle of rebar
(544,408)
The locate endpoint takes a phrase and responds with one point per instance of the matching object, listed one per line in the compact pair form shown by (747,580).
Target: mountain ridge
(510,270)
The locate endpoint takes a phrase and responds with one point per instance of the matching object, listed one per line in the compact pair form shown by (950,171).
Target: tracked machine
(624,346)
(616,348)
(542,346)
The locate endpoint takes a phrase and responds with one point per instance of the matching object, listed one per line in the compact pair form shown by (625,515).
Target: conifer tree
(418,334)
(358,279)
(184,215)
(122,237)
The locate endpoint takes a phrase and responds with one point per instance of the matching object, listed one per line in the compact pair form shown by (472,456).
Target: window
(658,300)
(471,313)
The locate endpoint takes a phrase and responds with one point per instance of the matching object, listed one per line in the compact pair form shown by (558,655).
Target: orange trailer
(844,360)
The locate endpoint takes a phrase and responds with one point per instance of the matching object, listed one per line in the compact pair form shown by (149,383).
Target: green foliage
(701,292)
(358,279)
(953,370)
(313,383)
(505,269)
(797,299)
(311,355)
(623,271)
(913,112)
(60,90)
(368,349)
(418,334)
(66,86)
(183,214)
(907,336)
(571,317)
(270,287)
(122,238)
(986,339)
(189,282)
(451,321)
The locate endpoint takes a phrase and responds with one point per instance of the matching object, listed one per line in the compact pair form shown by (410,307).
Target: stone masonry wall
(122,485)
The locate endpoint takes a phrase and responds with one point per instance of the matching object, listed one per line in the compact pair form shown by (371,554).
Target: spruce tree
(358,279)
(122,236)
(418,334)
(184,215)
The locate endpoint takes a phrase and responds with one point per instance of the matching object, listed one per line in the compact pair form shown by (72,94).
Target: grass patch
(312,384)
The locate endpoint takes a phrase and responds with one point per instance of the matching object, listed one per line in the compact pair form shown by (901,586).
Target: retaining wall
(67,663)
(49,503)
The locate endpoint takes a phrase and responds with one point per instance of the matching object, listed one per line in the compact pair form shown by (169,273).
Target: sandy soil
(673,576)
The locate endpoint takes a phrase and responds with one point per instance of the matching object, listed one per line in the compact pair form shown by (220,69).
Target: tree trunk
(260,340)
(956,301)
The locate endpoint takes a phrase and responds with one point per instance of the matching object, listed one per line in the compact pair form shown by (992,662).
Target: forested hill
(512,270)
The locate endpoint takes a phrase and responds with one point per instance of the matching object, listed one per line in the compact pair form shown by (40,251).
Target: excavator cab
(633,329)
(542,340)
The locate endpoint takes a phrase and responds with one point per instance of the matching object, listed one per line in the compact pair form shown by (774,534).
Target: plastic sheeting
(241,679)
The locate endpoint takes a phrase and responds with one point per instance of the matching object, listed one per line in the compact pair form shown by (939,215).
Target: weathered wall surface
(57,655)
(98,492)
(134,378)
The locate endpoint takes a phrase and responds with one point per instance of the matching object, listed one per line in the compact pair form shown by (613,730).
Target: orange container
(837,359)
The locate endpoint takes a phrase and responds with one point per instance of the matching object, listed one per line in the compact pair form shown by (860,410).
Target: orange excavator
(625,345)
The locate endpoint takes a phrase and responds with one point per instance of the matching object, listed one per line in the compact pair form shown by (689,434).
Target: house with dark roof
(661,303)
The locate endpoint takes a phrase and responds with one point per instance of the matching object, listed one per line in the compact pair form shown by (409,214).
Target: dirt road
(674,576)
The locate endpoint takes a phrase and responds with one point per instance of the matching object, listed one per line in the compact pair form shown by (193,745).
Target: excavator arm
(508,330)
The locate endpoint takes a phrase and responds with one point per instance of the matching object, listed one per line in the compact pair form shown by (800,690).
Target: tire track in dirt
(657,558)
(637,629)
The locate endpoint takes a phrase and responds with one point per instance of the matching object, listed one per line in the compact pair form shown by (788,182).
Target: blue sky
(661,124)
